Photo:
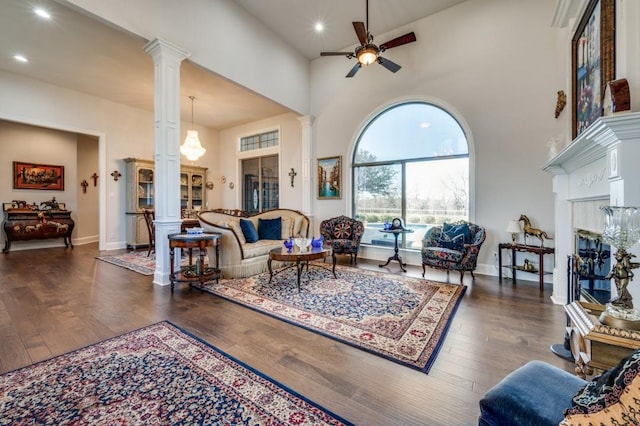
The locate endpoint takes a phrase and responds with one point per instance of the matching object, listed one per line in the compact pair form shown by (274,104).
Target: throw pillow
(453,230)
(249,231)
(235,227)
(287,228)
(609,397)
(270,229)
(455,243)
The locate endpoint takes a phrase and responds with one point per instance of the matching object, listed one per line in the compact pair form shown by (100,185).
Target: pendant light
(191,147)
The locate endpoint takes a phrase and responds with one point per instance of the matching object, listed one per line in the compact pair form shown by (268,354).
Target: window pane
(377,199)
(260,184)
(411,131)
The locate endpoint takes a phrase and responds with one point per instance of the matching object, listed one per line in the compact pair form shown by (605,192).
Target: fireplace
(599,167)
(590,265)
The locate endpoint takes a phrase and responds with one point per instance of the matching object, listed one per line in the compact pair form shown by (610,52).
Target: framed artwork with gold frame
(330,178)
(593,62)
(38,176)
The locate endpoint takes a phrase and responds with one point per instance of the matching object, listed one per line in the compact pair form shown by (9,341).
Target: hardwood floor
(55,300)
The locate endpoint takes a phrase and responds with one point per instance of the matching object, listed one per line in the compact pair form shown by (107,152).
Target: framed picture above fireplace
(593,62)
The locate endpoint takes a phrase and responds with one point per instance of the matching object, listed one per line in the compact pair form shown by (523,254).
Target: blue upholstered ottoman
(535,394)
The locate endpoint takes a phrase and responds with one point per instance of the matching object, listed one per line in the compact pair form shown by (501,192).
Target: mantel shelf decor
(622,230)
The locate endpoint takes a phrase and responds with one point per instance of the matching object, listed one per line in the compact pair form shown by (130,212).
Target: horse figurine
(529,230)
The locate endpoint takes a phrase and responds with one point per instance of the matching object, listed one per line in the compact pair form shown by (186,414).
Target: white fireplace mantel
(594,142)
(594,166)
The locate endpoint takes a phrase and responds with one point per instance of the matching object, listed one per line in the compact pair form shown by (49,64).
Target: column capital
(159,47)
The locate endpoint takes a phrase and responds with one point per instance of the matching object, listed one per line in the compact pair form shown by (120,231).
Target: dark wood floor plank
(69,299)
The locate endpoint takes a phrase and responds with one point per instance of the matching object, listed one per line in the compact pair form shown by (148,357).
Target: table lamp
(513,227)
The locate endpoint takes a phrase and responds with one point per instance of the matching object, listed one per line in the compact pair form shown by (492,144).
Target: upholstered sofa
(539,394)
(240,258)
(452,247)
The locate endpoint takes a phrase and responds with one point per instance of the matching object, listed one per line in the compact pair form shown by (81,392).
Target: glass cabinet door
(184,192)
(196,191)
(145,189)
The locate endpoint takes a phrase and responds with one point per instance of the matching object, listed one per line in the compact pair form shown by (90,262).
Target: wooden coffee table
(299,259)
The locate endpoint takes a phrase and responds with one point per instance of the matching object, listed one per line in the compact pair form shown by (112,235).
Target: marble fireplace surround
(600,167)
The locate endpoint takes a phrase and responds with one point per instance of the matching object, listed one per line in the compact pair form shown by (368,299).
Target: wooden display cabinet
(141,196)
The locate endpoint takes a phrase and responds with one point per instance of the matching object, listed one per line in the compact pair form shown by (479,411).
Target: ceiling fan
(367,52)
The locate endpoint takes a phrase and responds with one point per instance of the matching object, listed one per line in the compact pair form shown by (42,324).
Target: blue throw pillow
(455,243)
(270,229)
(249,231)
(453,231)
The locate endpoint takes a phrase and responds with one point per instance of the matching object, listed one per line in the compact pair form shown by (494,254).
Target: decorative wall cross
(84,185)
(292,174)
(94,176)
(116,174)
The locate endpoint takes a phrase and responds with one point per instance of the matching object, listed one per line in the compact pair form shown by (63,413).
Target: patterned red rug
(400,318)
(156,375)
(138,261)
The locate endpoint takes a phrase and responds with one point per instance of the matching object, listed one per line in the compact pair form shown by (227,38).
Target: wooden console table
(540,251)
(25,225)
(199,272)
(595,345)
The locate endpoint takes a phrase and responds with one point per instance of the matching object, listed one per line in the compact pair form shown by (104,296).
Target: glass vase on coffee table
(621,230)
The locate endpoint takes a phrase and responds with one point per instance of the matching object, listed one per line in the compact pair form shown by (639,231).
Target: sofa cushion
(609,398)
(260,248)
(270,229)
(287,228)
(534,394)
(249,231)
(235,227)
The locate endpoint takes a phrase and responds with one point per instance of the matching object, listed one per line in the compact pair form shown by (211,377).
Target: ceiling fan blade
(354,70)
(361,32)
(336,54)
(390,65)
(399,41)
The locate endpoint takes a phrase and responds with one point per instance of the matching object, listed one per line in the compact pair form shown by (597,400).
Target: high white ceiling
(74,51)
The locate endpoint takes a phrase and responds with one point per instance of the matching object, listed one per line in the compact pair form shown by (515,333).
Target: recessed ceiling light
(319,27)
(424,125)
(42,13)
(20,58)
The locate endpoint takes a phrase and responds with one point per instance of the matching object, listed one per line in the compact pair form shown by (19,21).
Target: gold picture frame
(330,178)
(593,62)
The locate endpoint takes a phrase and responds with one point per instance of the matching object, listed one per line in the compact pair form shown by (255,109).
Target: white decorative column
(167,59)
(307,158)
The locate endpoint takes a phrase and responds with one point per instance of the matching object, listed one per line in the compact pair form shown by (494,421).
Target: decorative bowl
(194,231)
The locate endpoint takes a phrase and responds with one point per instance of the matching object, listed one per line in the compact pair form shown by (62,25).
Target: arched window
(412,162)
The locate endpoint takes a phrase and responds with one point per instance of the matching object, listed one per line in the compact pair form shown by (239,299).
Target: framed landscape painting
(38,176)
(330,178)
(593,62)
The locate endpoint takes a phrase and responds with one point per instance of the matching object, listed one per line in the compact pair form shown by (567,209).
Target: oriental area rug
(156,375)
(138,261)
(400,318)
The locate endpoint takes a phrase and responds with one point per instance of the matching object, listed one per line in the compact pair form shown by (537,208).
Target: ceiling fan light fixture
(367,54)
(191,147)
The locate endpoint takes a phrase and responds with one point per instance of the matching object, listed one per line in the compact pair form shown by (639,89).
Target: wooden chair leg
(461,276)
(423,270)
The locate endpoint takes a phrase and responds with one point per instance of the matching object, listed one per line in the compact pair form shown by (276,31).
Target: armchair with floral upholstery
(343,234)
(452,247)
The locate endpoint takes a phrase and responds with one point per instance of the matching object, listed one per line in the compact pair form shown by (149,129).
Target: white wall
(123,132)
(289,152)
(217,34)
(494,62)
